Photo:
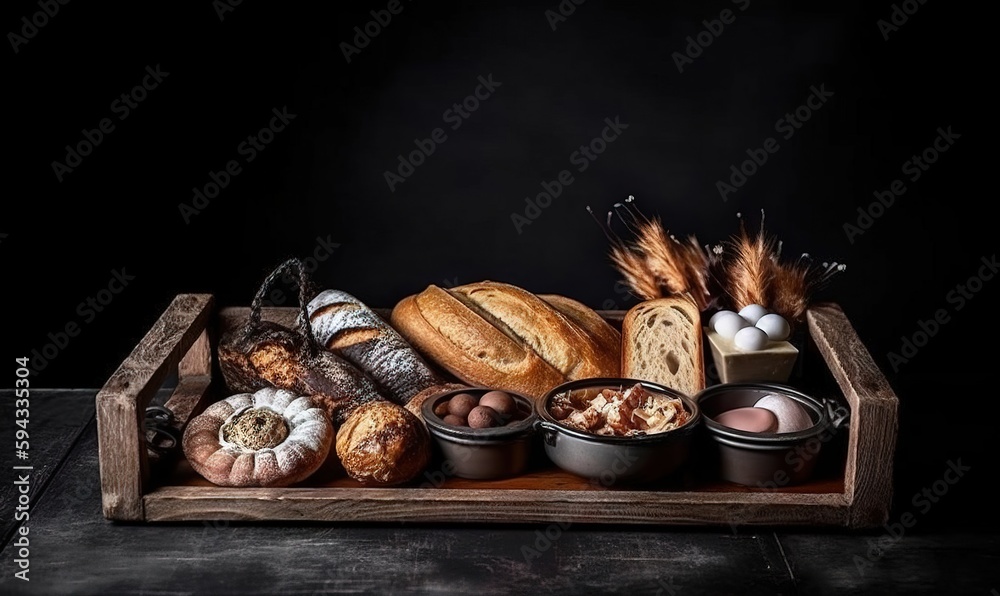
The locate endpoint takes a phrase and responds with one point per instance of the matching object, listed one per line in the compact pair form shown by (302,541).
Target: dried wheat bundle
(746,269)
(656,264)
(753,272)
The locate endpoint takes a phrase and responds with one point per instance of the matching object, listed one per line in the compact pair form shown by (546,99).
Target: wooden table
(75,550)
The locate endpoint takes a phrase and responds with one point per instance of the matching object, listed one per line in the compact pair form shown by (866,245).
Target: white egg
(775,326)
(753,313)
(717,316)
(750,339)
(728,325)
(792,417)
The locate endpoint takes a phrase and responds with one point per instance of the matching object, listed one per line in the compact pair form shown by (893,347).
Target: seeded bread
(662,343)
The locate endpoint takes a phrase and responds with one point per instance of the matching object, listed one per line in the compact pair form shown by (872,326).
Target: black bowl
(610,460)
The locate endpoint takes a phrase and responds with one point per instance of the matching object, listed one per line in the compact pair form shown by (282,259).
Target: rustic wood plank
(57,418)
(874,414)
(198,359)
(122,401)
(177,503)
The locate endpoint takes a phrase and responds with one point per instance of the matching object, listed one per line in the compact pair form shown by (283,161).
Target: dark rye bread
(275,356)
(662,343)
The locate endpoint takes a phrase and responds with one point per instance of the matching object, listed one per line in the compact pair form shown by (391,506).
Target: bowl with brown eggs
(482,433)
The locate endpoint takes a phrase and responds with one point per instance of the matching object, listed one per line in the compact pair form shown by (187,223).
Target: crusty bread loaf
(468,346)
(534,323)
(662,343)
(383,443)
(347,327)
(607,337)
(501,336)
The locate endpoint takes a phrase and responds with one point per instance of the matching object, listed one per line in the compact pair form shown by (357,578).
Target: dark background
(450,222)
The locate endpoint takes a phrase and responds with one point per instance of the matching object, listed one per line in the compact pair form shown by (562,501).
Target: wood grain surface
(122,401)
(874,414)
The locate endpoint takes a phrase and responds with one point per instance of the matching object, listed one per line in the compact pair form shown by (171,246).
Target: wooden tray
(853,487)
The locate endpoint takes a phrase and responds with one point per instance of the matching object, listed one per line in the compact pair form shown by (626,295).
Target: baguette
(662,343)
(347,327)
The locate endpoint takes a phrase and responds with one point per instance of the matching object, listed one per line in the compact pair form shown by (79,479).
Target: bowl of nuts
(482,433)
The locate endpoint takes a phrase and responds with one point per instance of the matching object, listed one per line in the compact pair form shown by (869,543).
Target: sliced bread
(662,343)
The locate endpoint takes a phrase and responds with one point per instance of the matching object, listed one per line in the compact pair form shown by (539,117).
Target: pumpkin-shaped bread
(272,437)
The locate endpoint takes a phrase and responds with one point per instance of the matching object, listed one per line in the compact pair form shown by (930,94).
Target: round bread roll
(269,438)
(383,443)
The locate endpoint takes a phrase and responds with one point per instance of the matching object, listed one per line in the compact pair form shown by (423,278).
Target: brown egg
(441,409)
(462,404)
(500,401)
(484,417)
(454,420)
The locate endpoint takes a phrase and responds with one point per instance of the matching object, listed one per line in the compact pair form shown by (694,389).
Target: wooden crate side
(176,503)
(121,403)
(874,422)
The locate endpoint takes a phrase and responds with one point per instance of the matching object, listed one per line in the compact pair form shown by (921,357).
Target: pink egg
(752,420)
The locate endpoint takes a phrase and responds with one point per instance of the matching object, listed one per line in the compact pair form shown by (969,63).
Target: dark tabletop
(74,550)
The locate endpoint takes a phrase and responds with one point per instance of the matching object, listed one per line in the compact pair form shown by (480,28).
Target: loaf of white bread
(501,336)
(662,343)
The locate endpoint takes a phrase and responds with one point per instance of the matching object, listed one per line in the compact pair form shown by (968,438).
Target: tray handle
(121,403)
(873,423)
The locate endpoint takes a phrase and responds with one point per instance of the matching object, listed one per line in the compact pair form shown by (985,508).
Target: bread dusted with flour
(347,327)
(389,445)
(662,343)
(271,437)
(502,336)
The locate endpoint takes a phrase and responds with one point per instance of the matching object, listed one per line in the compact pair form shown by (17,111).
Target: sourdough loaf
(662,343)
(502,336)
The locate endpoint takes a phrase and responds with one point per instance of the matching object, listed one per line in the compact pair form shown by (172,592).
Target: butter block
(774,363)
